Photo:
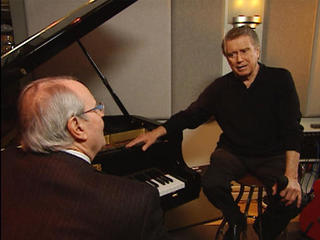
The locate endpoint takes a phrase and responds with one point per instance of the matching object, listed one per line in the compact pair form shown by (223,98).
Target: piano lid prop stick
(104,80)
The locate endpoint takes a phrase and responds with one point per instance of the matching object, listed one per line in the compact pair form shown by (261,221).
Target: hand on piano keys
(165,183)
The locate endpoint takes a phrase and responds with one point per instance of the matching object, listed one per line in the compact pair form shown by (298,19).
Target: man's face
(93,125)
(242,56)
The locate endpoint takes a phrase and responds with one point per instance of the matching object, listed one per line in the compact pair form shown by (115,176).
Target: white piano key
(171,187)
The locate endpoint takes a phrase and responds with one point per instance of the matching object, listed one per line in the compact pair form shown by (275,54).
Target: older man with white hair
(49,189)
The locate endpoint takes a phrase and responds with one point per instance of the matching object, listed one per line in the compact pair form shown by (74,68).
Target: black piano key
(142,177)
(162,176)
(164,180)
(158,176)
(168,178)
(150,180)
(160,180)
(152,183)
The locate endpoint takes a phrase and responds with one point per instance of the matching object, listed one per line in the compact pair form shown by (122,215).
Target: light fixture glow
(238,3)
(245,12)
(254,3)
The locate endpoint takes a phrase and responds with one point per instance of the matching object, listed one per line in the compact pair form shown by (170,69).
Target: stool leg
(224,220)
(260,191)
(240,194)
(220,228)
(248,201)
(247,207)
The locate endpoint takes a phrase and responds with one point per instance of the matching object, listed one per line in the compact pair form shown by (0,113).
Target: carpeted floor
(208,231)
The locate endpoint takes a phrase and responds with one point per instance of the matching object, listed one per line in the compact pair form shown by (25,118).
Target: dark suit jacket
(59,196)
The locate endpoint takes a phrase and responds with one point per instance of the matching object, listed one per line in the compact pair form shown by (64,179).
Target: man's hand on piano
(148,138)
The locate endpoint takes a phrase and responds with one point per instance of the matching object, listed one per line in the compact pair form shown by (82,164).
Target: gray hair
(236,32)
(44,106)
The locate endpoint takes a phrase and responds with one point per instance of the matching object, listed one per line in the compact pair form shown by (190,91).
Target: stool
(252,182)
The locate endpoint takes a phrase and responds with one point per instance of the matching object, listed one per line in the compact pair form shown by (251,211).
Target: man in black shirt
(257,108)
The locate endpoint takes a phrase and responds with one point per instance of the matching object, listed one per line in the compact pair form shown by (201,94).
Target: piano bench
(254,184)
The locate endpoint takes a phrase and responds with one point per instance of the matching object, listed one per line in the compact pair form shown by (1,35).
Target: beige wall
(313,103)
(289,38)
(197,28)
(198,144)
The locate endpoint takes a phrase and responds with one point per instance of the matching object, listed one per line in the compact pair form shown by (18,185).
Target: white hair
(45,106)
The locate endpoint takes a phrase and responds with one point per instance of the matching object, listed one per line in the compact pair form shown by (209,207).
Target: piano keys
(164,183)
(163,158)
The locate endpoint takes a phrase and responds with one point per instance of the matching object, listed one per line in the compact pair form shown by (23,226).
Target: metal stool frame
(246,211)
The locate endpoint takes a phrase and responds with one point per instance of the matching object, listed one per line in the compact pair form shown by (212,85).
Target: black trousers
(225,167)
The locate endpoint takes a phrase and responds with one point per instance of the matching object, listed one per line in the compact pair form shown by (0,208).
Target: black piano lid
(58,35)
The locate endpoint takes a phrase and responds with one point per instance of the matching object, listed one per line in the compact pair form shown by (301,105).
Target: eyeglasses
(99,107)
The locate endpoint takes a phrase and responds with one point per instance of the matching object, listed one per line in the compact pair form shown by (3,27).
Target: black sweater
(261,120)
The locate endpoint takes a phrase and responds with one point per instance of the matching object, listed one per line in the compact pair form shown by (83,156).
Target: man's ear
(76,128)
(258,52)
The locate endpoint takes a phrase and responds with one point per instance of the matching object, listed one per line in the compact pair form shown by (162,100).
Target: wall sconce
(245,12)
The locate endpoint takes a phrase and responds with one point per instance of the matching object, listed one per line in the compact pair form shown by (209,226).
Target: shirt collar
(77,154)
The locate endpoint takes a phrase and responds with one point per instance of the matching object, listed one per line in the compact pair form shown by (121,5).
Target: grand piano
(162,165)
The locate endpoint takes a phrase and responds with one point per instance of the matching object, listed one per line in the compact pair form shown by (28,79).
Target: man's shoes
(234,231)
(267,234)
